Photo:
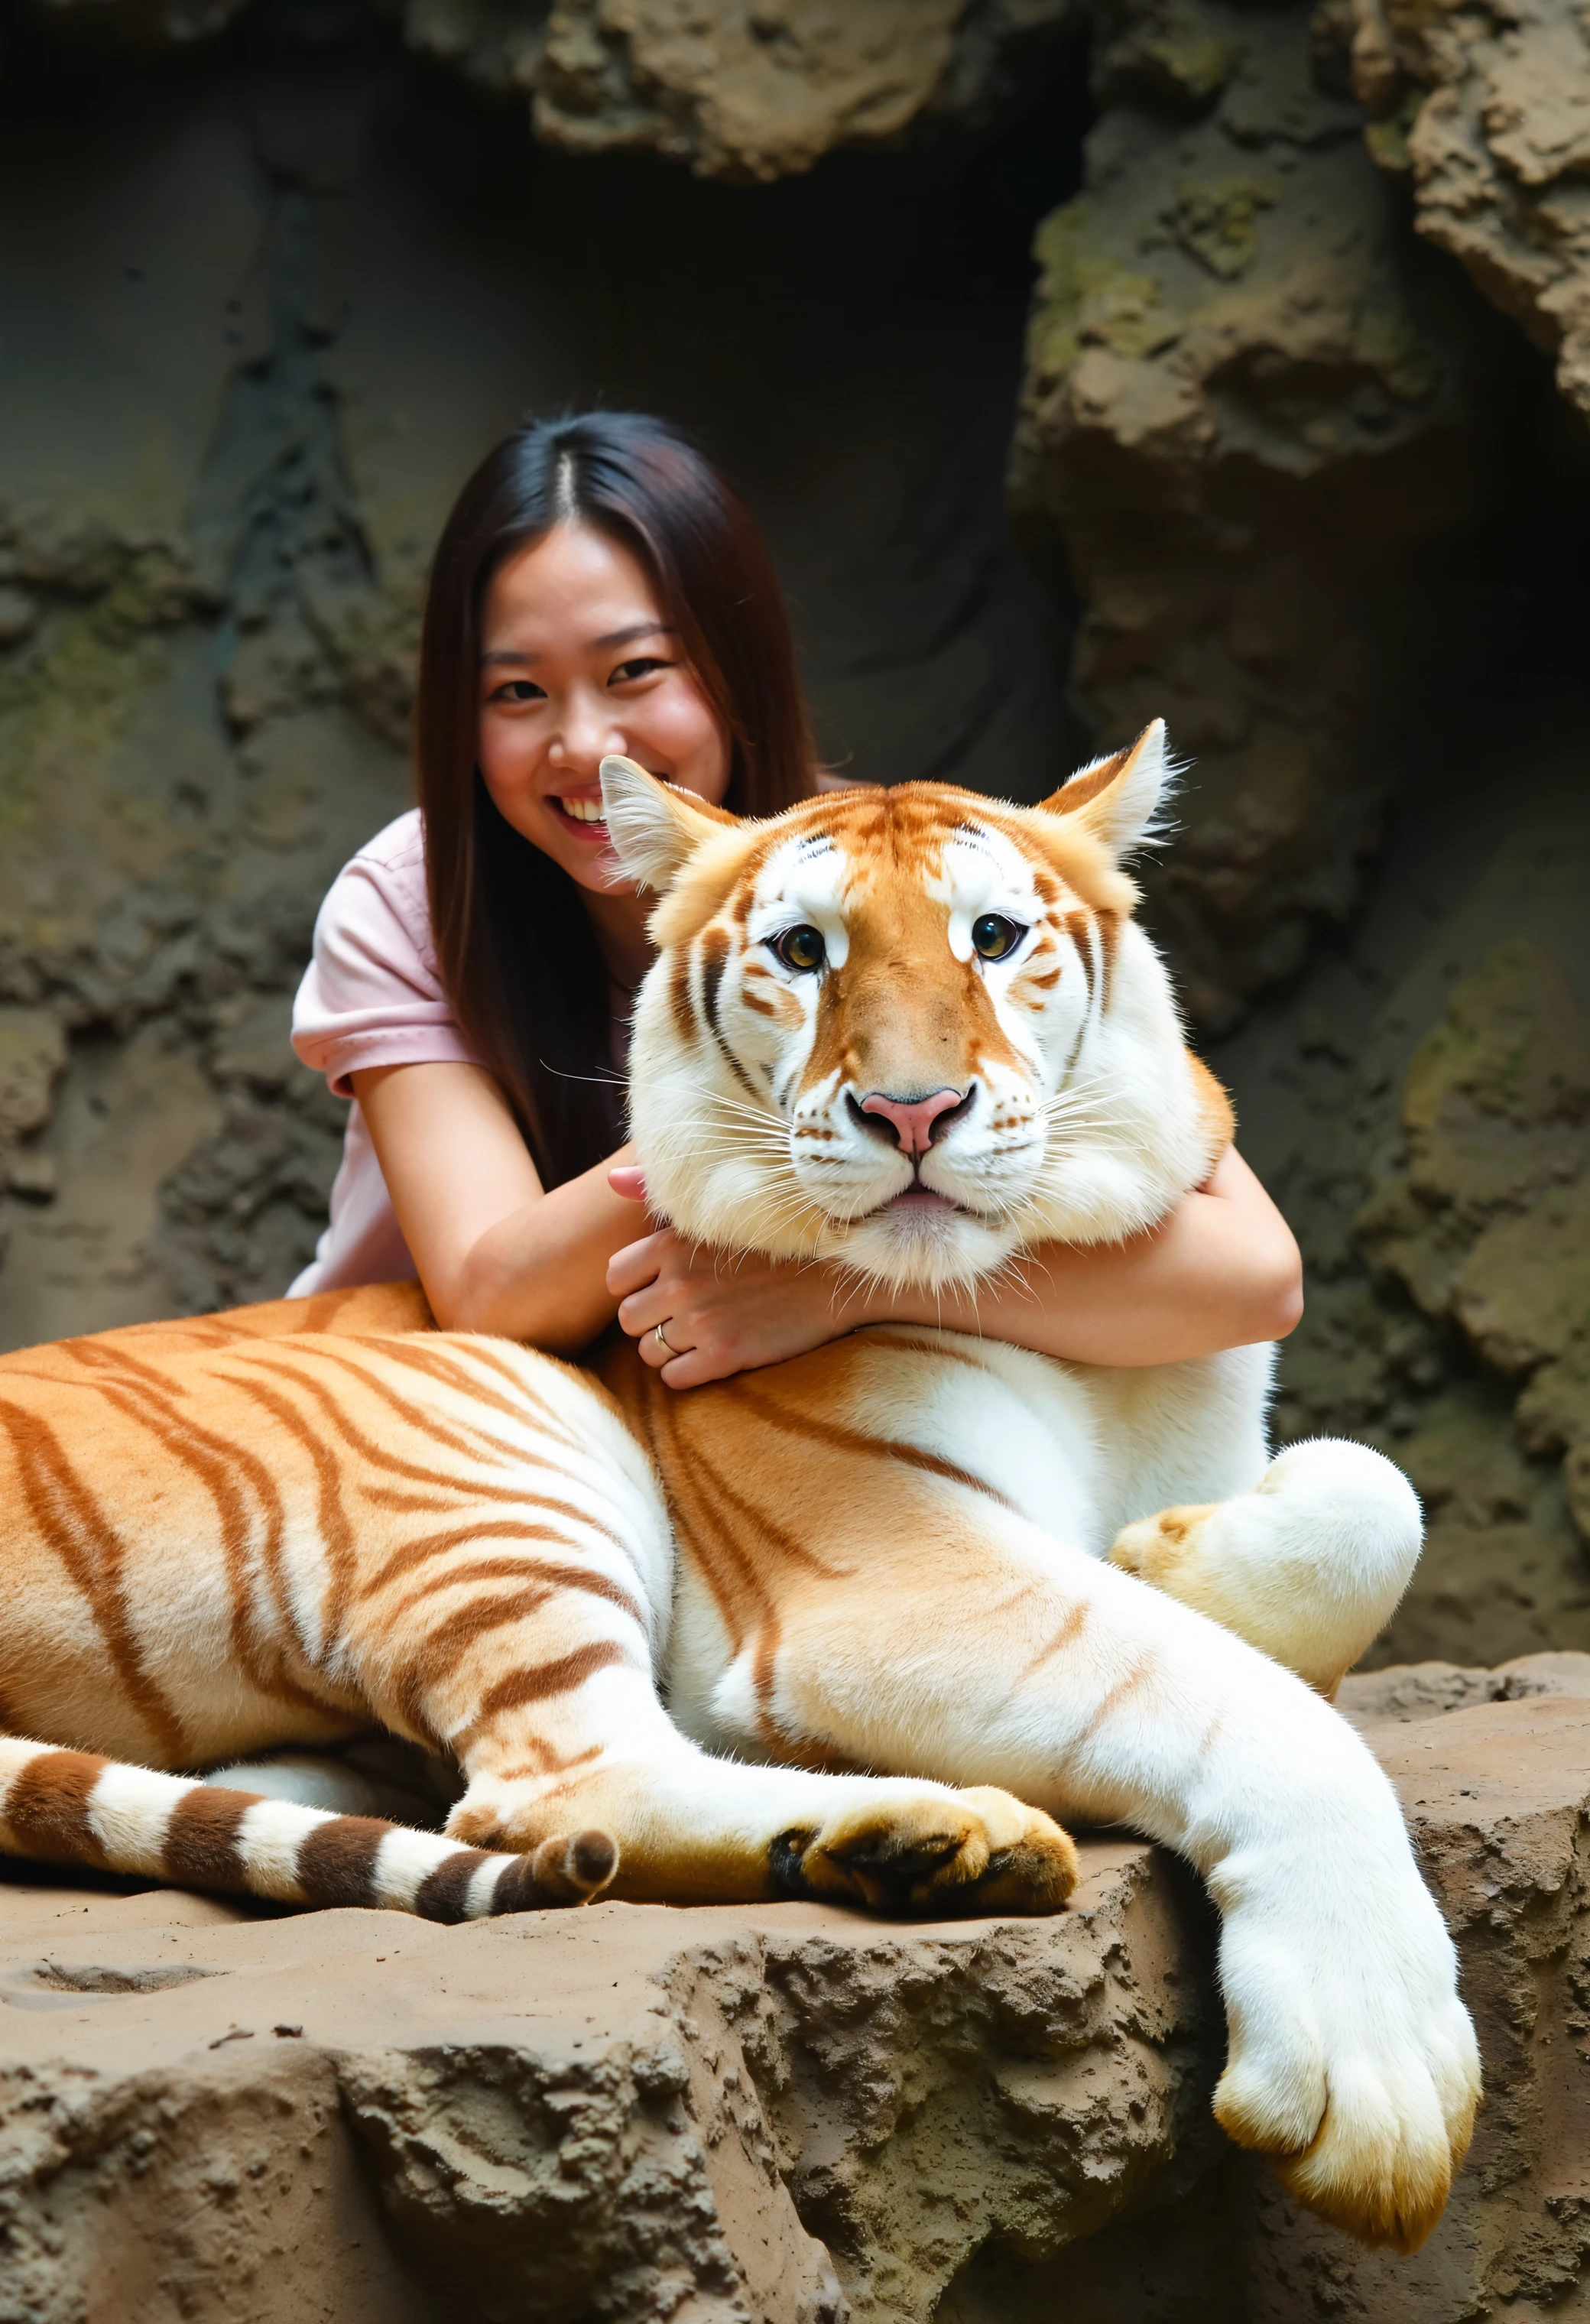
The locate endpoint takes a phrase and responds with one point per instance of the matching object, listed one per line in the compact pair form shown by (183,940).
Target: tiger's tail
(71,1807)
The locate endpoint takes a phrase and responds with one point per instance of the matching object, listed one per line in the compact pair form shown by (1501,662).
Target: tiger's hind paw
(941,1854)
(1154,1548)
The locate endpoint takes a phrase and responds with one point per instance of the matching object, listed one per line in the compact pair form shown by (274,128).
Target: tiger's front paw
(1352,2063)
(904,1849)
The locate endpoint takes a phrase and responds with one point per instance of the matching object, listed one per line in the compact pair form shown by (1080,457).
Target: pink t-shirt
(371,996)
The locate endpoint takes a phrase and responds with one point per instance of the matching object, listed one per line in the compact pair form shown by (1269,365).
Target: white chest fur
(1079,1450)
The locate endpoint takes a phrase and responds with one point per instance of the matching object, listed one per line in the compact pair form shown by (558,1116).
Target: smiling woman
(599,591)
(598,586)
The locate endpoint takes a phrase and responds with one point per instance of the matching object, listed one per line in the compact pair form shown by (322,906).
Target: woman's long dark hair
(517,951)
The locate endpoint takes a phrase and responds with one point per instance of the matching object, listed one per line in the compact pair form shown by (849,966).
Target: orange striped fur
(353,1529)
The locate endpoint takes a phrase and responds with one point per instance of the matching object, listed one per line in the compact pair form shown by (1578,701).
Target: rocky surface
(780,2114)
(1495,1793)
(626,2113)
(1494,1769)
(1405,1693)
(1484,111)
(747,90)
(1485,1215)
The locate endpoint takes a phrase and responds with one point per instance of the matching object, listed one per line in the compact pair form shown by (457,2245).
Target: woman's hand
(723,1312)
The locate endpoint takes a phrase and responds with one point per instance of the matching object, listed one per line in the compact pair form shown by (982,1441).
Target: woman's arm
(496,1253)
(494,1250)
(1222,1270)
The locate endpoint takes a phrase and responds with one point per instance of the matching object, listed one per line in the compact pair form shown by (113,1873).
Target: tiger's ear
(1119,799)
(654,829)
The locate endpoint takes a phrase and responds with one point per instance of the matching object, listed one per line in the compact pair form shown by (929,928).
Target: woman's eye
(519,689)
(641,667)
(993,935)
(801,948)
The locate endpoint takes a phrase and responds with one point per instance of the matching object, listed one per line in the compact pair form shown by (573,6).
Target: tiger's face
(911,1029)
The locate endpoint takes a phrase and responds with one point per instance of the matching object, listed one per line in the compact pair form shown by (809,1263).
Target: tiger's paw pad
(940,1854)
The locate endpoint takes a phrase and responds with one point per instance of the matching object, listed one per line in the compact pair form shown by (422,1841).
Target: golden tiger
(916,1031)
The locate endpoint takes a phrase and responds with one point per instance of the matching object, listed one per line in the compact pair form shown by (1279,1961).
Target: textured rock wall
(1485,112)
(1265,426)
(265,302)
(1417,1104)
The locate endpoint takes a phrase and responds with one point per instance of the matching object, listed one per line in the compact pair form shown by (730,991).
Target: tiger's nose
(912,1119)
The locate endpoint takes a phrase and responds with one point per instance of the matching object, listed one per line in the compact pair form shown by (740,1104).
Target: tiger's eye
(994,936)
(802,947)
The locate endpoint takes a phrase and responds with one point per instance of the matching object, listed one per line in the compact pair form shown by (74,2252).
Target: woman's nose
(586,732)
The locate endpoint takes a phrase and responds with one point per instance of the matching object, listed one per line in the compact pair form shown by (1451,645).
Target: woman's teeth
(581,810)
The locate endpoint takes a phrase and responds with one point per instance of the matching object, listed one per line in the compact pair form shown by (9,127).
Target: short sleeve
(371,995)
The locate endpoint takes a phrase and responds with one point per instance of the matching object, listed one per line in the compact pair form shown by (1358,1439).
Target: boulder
(784,2113)
(1244,413)
(747,90)
(1484,111)
(1496,1792)
(1493,1770)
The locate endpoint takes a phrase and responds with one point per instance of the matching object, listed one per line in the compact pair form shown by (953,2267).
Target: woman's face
(578,661)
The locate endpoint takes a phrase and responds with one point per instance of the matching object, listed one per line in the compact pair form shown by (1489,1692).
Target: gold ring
(663,1343)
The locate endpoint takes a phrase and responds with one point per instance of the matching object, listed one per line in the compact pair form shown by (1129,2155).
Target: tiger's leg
(515,1620)
(1308,1567)
(957,1639)
(577,1735)
(450,1539)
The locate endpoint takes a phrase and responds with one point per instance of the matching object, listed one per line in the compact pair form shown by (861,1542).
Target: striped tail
(69,1807)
